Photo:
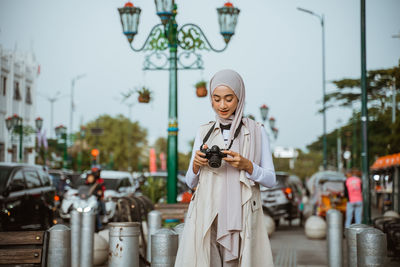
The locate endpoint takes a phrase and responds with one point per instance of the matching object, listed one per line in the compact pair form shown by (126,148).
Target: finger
(229,159)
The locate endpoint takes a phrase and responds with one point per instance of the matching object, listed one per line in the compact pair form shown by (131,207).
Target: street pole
(394,100)
(172,145)
(324,141)
(325,161)
(21,136)
(65,157)
(364,123)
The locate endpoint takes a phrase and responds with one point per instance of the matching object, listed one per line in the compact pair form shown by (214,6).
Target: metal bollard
(371,248)
(75,224)
(164,246)
(87,236)
(179,230)
(153,224)
(335,238)
(124,244)
(59,253)
(351,241)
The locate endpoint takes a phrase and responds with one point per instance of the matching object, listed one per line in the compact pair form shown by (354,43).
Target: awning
(386,162)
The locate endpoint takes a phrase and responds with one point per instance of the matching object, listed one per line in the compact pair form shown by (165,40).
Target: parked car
(117,183)
(280,200)
(26,197)
(327,191)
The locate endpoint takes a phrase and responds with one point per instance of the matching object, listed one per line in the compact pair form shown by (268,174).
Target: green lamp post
(39,125)
(183,45)
(61,133)
(15,123)
(82,134)
(264,109)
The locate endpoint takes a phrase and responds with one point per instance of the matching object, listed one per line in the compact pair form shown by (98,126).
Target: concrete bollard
(59,253)
(179,230)
(100,250)
(87,236)
(75,224)
(124,244)
(154,224)
(269,224)
(351,241)
(164,246)
(315,227)
(371,248)
(335,238)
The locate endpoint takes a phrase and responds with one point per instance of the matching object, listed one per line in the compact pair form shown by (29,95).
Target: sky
(276,48)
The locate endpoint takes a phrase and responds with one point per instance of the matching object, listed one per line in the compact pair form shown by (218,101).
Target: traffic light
(95,153)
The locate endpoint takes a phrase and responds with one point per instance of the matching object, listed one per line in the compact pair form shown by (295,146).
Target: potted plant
(201,88)
(144,95)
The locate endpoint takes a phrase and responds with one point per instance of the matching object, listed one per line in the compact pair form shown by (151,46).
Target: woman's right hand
(199,160)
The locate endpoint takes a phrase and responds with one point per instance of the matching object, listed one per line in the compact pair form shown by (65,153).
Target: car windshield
(281,180)
(111,184)
(4,174)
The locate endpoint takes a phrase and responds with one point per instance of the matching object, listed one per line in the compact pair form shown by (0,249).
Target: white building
(18,73)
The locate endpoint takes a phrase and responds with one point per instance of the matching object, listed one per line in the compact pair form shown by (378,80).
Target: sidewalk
(290,247)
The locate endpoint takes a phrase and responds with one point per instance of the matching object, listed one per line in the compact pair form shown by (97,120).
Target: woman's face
(224,101)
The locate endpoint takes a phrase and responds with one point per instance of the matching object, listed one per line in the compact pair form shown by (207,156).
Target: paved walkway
(290,247)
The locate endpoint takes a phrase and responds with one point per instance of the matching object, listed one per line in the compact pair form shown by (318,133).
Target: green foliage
(201,84)
(305,165)
(144,92)
(154,188)
(122,139)
(379,84)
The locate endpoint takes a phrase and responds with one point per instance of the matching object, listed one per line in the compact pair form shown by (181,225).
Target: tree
(122,141)
(379,84)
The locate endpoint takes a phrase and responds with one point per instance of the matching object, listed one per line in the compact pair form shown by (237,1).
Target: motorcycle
(80,199)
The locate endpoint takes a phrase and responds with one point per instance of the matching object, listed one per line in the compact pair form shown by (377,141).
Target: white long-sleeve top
(263,174)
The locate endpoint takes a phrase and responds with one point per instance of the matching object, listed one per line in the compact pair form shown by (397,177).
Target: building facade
(18,74)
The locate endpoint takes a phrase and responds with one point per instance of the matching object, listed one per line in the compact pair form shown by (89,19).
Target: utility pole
(71,116)
(364,123)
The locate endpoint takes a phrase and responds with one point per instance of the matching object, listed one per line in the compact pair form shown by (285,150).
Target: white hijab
(230,208)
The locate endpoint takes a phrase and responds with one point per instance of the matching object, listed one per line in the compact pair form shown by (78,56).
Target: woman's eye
(229,100)
(216,99)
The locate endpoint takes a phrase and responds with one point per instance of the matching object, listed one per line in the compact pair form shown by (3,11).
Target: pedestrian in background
(225,221)
(353,192)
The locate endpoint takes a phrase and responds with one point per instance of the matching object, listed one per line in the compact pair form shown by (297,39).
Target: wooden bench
(172,211)
(27,248)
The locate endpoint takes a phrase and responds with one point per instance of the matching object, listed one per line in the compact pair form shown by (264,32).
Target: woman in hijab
(225,224)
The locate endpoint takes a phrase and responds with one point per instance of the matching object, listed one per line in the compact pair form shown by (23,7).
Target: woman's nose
(222,104)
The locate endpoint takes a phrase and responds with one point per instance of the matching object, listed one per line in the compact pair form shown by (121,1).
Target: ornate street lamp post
(191,39)
(61,133)
(39,125)
(15,124)
(264,109)
(82,134)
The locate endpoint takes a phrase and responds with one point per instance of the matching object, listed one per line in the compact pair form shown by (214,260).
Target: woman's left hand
(238,161)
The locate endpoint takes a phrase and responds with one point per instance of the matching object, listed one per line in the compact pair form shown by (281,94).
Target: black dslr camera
(214,156)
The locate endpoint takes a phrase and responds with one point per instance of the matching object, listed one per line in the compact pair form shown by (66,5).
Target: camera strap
(234,137)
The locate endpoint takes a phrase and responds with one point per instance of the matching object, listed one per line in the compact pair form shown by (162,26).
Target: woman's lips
(223,112)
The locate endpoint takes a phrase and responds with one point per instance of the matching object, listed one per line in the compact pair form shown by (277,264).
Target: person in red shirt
(94,180)
(353,192)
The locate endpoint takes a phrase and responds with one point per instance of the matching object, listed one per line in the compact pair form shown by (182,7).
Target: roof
(386,162)
(318,177)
